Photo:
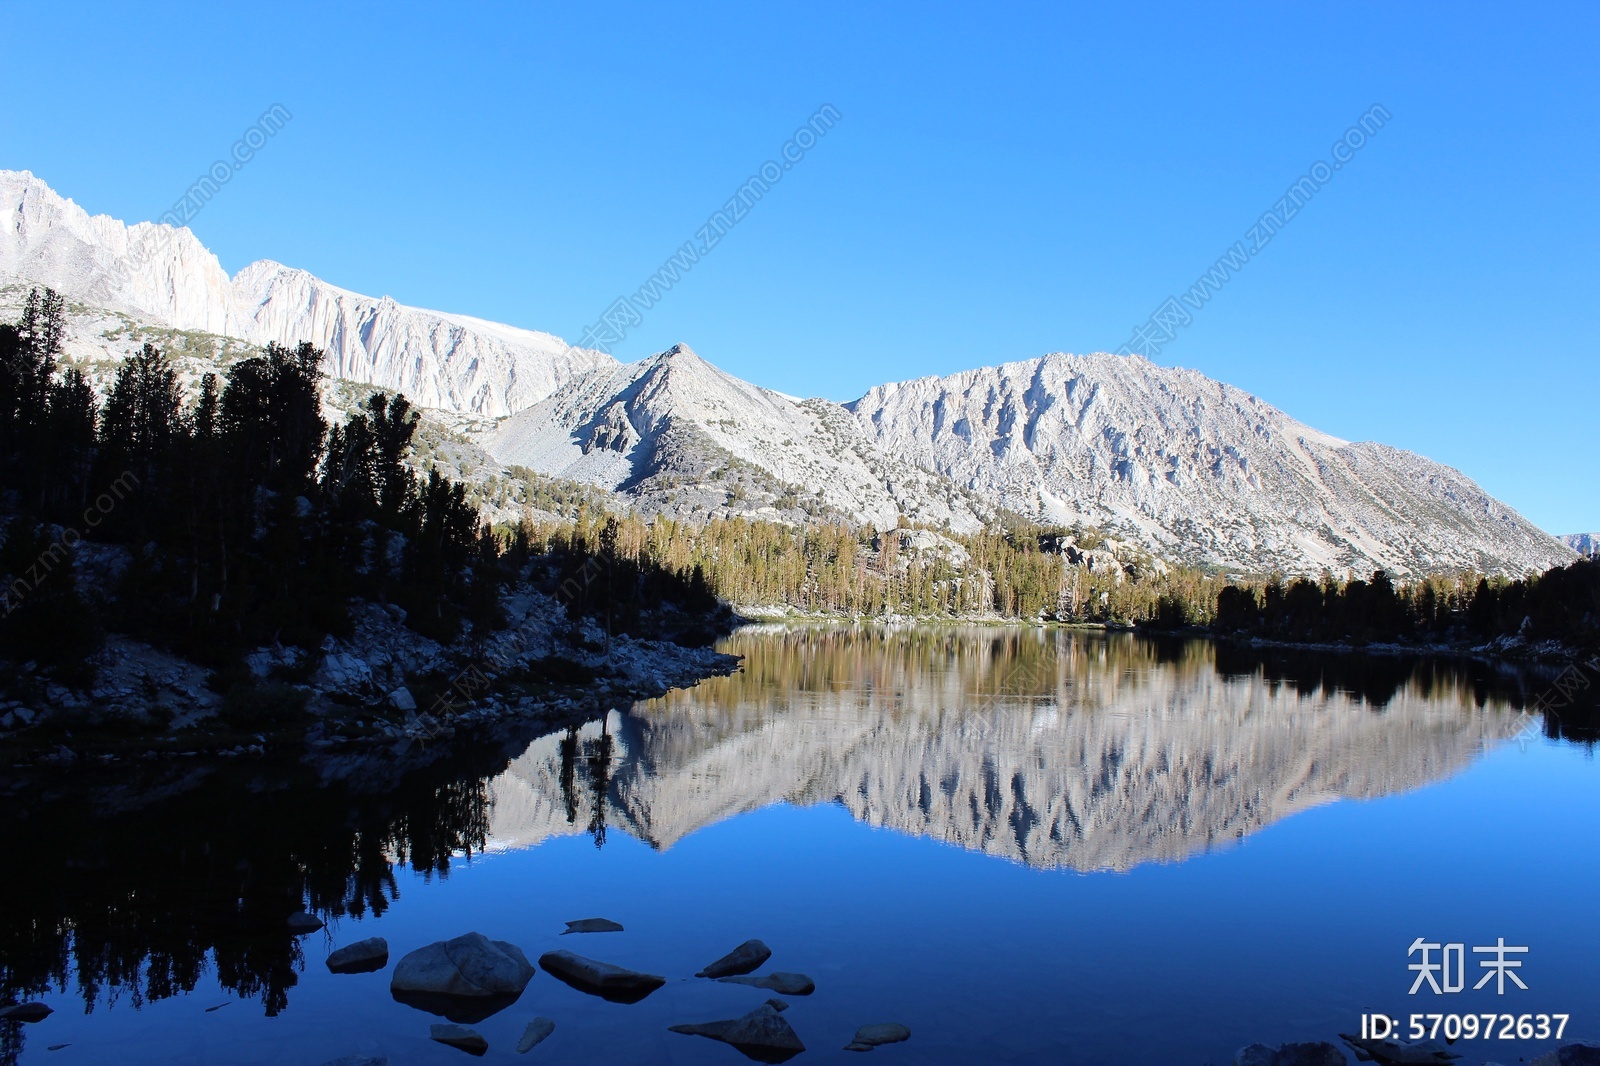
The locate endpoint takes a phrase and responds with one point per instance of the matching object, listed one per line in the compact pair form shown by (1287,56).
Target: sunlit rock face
(1054,750)
(165,275)
(1197,469)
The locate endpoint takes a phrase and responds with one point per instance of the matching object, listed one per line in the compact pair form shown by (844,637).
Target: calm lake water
(1026,845)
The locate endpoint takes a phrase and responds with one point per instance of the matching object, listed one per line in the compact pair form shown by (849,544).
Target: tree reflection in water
(1011,741)
(138,904)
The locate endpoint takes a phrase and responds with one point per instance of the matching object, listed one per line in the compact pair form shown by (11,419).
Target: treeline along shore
(217,555)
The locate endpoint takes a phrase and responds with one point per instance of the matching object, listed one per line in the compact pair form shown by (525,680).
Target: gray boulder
(1399,1052)
(534,1034)
(763,1034)
(615,983)
(592,925)
(871,1036)
(785,984)
(1570,1055)
(746,958)
(25,1012)
(465,980)
(459,1036)
(364,956)
(300,922)
(1317,1054)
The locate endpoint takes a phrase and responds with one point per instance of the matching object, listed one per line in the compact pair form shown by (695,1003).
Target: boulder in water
(300,922)
(763,1034)
(1570,1055)
(746,958)
(364,956)
(785,984)
(1320,1053)
(535,1033)
(459,1036)
(615,983)
(25,1012)
(465,980)
(871,1036)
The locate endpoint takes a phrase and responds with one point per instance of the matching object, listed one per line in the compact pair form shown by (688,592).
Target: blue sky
(1004,181)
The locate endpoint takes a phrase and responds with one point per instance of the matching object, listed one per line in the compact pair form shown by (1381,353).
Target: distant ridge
(1196,469)
(1583,543)
(1191,468)
(440,360)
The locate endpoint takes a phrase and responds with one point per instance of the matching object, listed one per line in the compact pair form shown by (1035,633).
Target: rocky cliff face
(677,434)
(166,275)
(1186,466)
(1073,761)
(1201,470)
(1583,543)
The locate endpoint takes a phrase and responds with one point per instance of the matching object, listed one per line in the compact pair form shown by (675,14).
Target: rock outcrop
(1194,469)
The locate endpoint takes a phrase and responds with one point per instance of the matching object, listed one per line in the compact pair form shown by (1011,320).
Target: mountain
(167,276)
(1583,543)
(1084,769)
(679,436)
(1184,465)
(1197,469)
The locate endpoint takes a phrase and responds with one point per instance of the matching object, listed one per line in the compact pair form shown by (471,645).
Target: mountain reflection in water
(1049,748)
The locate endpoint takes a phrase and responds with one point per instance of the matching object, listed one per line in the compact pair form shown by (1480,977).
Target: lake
(1026,845)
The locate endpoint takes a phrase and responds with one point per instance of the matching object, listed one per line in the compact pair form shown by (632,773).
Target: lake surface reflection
(1040,747)
(1026,845)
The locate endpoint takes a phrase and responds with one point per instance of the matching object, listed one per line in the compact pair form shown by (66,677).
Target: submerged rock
(746,958)
(785,984)
(763,1034)
(364,956)
(871,1036)
(300,922)
(1570,1055)
(459,1036)
(25,1012)
(1320,1053)
(359,1060)
(536,1031)
(1399,1052)
(593,925)
(615,983)
(465,980)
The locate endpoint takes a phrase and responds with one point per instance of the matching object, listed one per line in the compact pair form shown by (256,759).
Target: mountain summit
(1199,470)
(1187,466)
(163,274)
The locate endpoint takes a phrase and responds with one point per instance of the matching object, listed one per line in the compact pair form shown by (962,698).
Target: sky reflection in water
(1025,845)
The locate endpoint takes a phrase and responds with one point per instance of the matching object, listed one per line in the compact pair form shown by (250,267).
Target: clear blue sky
(1006,181)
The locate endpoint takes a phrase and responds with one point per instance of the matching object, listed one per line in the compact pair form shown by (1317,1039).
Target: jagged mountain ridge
(673,431)
(1198,469)
(1583,543)
(1087,768)
(166,275)
(1189,467)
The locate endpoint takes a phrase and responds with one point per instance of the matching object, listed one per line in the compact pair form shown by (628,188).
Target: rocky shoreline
(384,687)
